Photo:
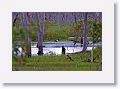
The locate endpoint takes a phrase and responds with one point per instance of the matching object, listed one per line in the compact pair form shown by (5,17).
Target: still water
(56,47)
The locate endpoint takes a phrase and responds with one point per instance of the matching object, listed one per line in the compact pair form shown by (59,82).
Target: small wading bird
(56,40)
(74,42)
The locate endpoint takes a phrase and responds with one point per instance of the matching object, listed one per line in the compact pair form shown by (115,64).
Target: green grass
(57,63)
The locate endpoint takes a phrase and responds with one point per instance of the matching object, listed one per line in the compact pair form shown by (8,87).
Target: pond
(56,47)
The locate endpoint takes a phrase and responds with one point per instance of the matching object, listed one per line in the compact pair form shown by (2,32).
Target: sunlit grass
(58,63)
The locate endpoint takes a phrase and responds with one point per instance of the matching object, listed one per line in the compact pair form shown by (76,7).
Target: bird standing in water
(74,42)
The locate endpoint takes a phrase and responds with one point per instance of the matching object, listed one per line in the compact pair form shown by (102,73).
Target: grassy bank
(76,62)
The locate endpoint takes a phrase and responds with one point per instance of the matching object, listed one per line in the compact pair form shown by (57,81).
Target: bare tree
(85,32)
(58,20)
(40,23)
(25,24)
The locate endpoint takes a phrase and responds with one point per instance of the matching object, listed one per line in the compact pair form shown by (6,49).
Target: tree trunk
(24,21)
(58,20)
(85,31)
(40,32)
(92,53)
(28,36)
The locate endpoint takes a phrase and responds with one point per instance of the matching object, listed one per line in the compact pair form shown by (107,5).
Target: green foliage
(18,36)
(95,31)
(97,53)
(77,28)
(53,33)
(33,31)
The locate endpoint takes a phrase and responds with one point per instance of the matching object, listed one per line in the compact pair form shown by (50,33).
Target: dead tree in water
(63,50)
